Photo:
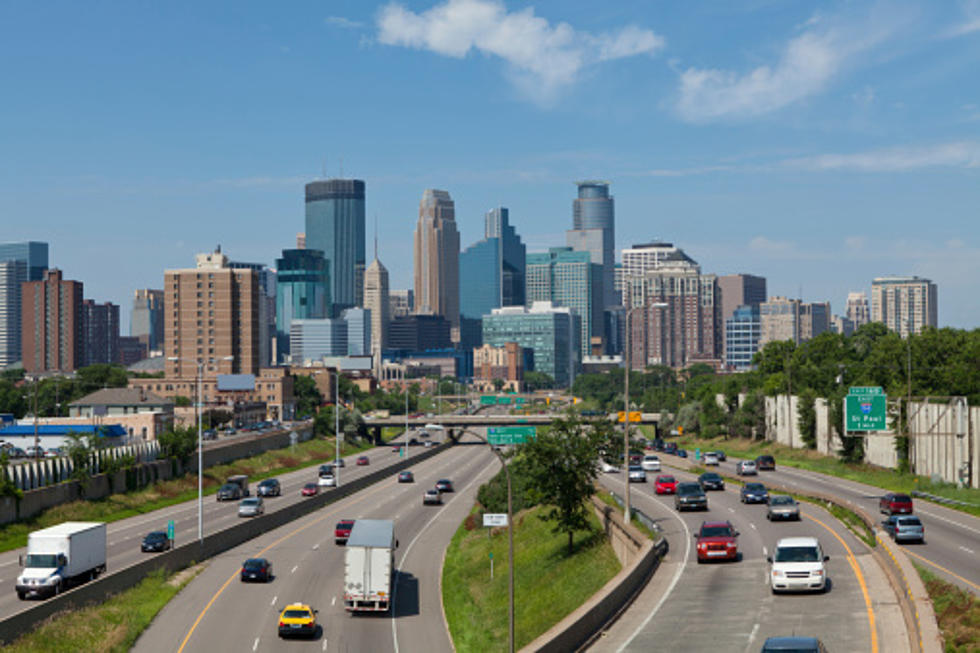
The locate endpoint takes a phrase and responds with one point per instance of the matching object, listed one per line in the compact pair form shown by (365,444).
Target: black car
(754,493)
(406,477)
(711,481)
(444,485)
(269,488)
(682,453)
(256,569)
(690,496)
(720,454)
(765,462)
(155,542)
(670,447)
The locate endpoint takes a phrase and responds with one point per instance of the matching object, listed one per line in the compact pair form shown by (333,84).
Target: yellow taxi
(297,619)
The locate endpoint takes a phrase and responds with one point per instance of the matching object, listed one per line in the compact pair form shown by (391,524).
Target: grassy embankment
(957,612)
(167,493)
(817,462)
(549,584)
(111,626)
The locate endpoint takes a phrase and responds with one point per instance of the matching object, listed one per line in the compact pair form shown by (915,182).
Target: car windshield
(797,554)
(666,479)
(688,488)
(250,502)
(296,614)
(902,498)
(908,521)
(228,487)
(755,487)
(268,482)
(254,563)
(711,477)
(781,501)
(38,560)
(156,536)
(716,531)
(636,468)
(310,486)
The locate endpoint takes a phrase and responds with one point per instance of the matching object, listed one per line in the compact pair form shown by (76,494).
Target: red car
(665,485)
(342,531)
(362,460)
(717,540)
(894,503)
(309,490)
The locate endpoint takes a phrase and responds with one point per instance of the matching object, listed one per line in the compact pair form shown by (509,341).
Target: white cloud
(805,67)
(969,23)
(686,172)
(345,23)
(865,97)
(964,154)
(543,58)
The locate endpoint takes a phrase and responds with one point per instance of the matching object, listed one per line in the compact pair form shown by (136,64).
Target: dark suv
(690,496)
(229,492)
(711,481)
(765,463)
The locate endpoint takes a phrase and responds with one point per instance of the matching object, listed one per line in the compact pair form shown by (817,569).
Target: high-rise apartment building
(19,262)
(335,226)
(904,304)
(302,292)
(792,319)
(568,278)
(377,300)
(437,257)
(51,324)
(100,333)
(212,317)
(146,318)
(491,271)
(594,231)
(739,290)
(12,275)
(857,309)
(842,325)
(267,309)
(742,329)
(551,332)
(814,320)
(401,302)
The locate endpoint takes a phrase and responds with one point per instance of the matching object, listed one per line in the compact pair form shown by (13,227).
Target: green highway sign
(503,401)
(488,400)
(866,390)
(866,411)
(510,434)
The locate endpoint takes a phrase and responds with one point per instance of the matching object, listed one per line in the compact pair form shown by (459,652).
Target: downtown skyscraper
(492,270)
(19,262)
(594,231)
(437,258)
(335,226)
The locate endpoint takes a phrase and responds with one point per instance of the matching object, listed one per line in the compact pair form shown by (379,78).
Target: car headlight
(777,573)
(817,572)
(50,580)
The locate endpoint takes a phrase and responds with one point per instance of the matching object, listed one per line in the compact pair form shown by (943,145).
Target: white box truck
(60,555)
(368,562)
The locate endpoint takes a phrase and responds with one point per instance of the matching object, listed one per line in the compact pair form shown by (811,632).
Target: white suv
(797,565)
(650,463)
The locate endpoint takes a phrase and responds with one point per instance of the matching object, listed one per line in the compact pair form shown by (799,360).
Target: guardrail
(97,591)
(945,500)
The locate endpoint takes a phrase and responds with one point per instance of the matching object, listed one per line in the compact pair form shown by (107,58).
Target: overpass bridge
(450,422)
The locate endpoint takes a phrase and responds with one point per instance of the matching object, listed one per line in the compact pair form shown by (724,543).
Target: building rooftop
(121,397)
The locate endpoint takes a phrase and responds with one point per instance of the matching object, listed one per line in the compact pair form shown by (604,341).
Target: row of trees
(56,393)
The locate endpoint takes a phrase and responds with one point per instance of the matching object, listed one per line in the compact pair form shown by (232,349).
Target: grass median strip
(957,612)
(549,584)
(167,493)
(111,626)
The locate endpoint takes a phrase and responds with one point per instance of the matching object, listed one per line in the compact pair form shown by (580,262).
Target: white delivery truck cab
(60,555)
(368,561)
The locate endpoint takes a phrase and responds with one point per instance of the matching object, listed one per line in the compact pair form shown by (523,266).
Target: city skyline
(818,179)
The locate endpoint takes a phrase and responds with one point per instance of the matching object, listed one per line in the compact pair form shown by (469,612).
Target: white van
(797,565)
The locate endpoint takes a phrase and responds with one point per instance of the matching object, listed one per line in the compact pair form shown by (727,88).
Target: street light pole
(405,388)
(627,512)
(336,431)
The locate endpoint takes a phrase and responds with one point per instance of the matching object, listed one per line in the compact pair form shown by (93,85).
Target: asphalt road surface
(216,612)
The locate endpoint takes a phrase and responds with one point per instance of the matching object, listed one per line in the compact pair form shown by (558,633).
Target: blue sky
(818,145)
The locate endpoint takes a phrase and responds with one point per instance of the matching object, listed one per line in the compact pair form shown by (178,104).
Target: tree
(807,420)
(498,384)
(563,464)
(181,401)
(538,381)
(179,444)
(308,396)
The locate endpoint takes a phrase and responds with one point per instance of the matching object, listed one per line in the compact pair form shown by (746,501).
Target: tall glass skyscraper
(593,230)
(335,226)
(33,253)
(437,257)
(492,270)
(568,278)
(302,293)
(512,256)
(742,331)
(19,262)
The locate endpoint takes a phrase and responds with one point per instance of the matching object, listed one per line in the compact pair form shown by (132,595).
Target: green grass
(168,493)
(549,584)
(863,473)
(608,499)
(111,626)
(854,523)
(957,612)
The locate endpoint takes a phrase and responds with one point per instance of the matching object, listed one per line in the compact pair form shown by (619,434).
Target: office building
(437,257)
(552,332)
(739,290)
(51,324)
(212,313)
(568,278)
(33,253)
(904,304)
(146,318)
(742,331)
(401,302)
(302,293)
(358,321)
(311,340)
(335,226)
(593,230)
(814,320)
(267,309)
(792,319)
(491,271)
(12,275)
(857,309)
(842,325)
(419,333)
(131,350)
(377,300)
(100,333)
(503,366)
(513,255)
(677,319)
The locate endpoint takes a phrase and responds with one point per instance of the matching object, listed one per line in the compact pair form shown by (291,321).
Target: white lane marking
(274,600)
(970,551)
(324,645)
(753,526)
(333,601)
(316,546)
(765,552)
(732,510)
(294,569)
(12,562)
(755,631)
(670,589)
(255,646)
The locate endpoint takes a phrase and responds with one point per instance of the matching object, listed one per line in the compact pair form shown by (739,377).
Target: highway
(952,546)
(216,612)
(728,605)
(124,536)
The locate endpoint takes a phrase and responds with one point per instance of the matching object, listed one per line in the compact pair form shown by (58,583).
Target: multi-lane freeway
(216,612)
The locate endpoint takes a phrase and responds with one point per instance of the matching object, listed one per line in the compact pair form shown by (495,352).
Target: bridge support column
(376,435)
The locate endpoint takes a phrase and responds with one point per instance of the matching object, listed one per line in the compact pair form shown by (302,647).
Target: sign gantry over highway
(510,434)
(865,409)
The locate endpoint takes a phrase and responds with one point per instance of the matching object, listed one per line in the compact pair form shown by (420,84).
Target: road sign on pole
(170,530)
(865,409)
(635,416)
(494,519)
(510,434)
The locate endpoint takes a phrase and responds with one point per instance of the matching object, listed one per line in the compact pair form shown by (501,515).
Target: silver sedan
(251,507)
(783,506)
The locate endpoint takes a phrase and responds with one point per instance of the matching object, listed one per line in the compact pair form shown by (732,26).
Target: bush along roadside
(957,613)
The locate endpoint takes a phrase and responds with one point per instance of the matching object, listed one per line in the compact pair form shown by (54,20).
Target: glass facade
(593,230)
(33,253)
(513,256)
(302,292)
(314,339)
(335,226)
(479,278)
(552,334)
(742,332)
(567,278)
(358,331)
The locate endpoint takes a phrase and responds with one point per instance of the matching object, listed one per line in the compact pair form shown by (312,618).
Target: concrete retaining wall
(99,590)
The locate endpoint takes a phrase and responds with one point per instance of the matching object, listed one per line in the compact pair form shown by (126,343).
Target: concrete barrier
(99,590)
